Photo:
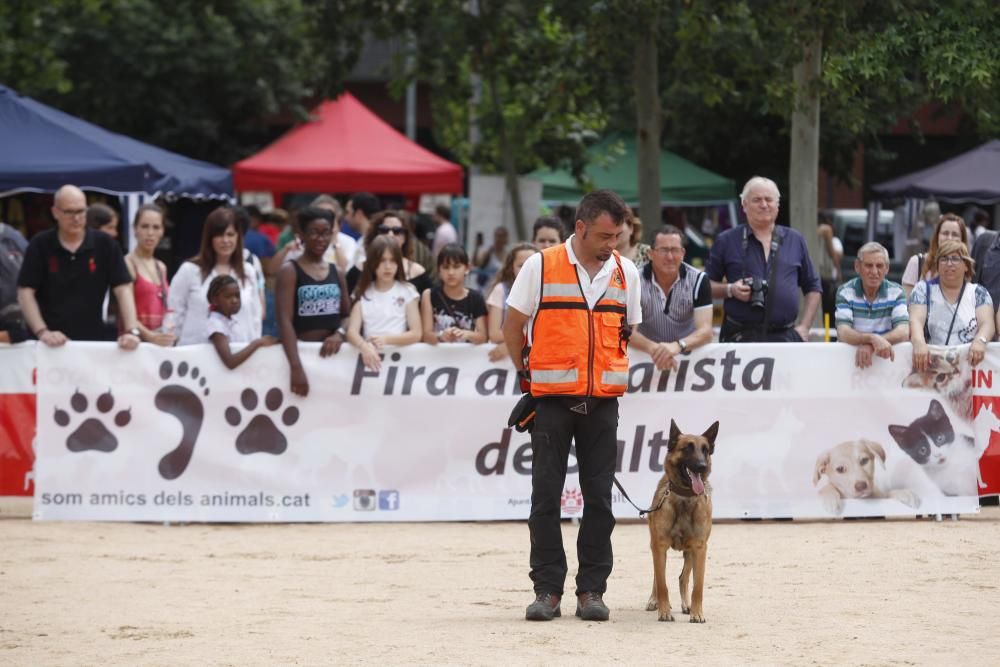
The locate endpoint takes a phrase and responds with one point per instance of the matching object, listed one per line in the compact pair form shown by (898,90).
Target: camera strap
(777,236)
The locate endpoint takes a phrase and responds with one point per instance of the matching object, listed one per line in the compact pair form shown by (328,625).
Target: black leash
(642,512)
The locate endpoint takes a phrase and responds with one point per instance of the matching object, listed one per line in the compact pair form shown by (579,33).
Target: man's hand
(663,355)
(740,291)
(53,338)
(881,347)
(803,331)
(863,356)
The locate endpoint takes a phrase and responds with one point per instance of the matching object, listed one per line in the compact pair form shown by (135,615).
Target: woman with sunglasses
(389,224)
(950,309)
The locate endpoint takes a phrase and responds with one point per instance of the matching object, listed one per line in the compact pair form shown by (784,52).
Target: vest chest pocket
(610,329)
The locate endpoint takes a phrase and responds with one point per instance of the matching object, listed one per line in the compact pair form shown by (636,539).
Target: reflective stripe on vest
(576,350)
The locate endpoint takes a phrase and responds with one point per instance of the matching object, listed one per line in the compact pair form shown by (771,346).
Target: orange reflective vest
(577,351)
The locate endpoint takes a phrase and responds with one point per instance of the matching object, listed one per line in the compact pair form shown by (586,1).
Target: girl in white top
(385,310)
(220,255)
(496,302)
(224,323)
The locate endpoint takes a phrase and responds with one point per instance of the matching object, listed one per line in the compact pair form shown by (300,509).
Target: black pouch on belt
(522,417)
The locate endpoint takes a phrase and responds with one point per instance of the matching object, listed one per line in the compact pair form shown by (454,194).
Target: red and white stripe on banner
(171,434)
(17,419)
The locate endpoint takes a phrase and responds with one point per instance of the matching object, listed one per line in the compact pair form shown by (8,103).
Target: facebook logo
(388,500)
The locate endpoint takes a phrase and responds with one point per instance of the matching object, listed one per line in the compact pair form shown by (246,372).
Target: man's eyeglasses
(951,259)
(73,212)
(663,252)
(398,231)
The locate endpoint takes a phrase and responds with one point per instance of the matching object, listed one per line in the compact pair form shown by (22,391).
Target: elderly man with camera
(764,267)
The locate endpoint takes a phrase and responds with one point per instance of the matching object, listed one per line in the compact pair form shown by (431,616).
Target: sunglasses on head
(398,231)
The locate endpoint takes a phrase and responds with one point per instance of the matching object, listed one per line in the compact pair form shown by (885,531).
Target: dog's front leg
(660,580)
(683,580)
(698,555)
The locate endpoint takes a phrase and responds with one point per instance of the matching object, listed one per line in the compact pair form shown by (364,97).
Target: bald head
(69,208)
(70,193)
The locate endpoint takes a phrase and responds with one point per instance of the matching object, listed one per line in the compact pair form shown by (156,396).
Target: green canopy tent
(682,183)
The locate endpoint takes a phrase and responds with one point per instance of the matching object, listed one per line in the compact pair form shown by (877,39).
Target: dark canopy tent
(44,148)
(346,148)
(973,176)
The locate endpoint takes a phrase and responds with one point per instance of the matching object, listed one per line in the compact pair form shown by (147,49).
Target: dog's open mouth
(697,484)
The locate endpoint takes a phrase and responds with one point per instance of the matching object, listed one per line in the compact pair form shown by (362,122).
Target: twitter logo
(341,500)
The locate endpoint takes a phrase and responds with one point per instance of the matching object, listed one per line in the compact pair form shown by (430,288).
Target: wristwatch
(135,332)
(684,347)
(981,338)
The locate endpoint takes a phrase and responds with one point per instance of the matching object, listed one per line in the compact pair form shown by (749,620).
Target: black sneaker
(544,608)
(591,607)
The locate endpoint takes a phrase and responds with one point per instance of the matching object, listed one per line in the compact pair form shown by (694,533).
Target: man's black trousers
(595,434)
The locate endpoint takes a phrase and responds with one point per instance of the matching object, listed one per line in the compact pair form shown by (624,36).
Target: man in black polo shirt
(66,273)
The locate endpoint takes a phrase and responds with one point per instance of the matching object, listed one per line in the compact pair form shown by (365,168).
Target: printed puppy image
(944,376)
(682,519)
(852,472)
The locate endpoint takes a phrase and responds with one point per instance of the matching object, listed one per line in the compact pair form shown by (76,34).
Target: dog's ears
(674,434)
(709,435)
(875,448)
(821,463)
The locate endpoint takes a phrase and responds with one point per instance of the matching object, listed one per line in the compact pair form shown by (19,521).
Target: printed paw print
(184,403)
(93,433)
(261,434)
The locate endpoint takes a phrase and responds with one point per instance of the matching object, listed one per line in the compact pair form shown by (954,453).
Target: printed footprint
(183,403)
(93,433)
(261,434)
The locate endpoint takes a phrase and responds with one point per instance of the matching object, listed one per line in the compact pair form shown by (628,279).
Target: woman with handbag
(950,309)
(149,276)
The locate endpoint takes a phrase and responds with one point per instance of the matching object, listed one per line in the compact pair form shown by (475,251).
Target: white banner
(172,435)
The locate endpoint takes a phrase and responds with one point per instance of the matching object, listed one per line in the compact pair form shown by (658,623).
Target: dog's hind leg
(683,581)
(698,555)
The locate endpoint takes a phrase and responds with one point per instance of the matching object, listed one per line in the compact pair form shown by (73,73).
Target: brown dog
(682,519)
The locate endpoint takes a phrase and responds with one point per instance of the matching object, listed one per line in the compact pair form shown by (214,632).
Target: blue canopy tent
(44,148)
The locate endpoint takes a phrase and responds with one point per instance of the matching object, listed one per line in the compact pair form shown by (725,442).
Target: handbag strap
(954,314)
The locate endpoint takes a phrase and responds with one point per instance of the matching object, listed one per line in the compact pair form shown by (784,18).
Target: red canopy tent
(346,148)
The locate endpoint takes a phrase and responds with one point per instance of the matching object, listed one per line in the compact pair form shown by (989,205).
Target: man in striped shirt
(676,302)
(871,311)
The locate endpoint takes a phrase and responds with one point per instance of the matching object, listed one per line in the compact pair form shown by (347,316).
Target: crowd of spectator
(360,274)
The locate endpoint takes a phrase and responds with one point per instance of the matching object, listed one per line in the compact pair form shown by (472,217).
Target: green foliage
(200,78)
(28,59)
(535,89)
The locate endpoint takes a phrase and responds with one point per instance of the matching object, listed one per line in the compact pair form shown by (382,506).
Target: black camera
(758,291)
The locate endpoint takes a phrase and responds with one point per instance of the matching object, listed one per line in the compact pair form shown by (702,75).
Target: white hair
(758,181)
(873,246)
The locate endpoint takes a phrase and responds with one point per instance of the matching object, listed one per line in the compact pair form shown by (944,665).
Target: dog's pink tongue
(697,485)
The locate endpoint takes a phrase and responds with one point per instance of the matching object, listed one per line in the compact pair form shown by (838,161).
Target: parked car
(851,227)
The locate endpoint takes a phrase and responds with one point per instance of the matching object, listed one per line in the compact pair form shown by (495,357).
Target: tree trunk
(509,166)
(650,124)
(804,160)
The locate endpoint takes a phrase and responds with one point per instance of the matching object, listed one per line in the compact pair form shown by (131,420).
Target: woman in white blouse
(221,254)
(950,309)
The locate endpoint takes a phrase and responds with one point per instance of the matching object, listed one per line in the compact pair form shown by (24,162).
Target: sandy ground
(833,593)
